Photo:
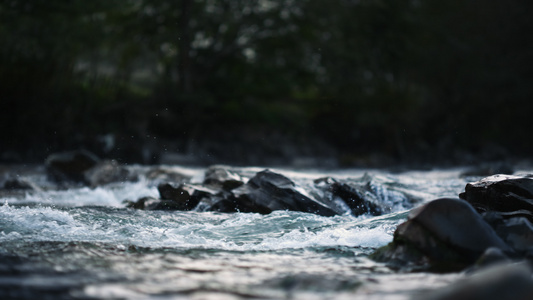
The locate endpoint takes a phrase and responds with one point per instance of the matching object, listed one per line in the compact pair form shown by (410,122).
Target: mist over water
(83,243)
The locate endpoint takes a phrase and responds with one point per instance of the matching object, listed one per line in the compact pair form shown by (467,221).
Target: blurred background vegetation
(261,81)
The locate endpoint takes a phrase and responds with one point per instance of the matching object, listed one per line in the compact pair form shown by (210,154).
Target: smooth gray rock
(443,235)
(456,223)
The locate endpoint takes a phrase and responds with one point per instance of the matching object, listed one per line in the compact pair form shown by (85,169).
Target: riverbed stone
(106,172)
(186,196)
(443,235)
(71,165)
(269,191)
(221,177)
(504,193)
(516,231)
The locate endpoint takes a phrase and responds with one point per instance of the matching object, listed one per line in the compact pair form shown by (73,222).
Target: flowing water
(83,243)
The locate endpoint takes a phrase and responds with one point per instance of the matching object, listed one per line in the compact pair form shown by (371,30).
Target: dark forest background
(338,82)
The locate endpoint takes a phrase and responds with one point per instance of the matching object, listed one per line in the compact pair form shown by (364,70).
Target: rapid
(84,243)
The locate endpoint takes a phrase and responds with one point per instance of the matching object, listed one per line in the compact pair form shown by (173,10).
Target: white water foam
(236,232)
(111,196)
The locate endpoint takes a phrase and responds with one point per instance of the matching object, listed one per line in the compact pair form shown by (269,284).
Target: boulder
(365,196)
(504,193)
(358,201)
(70,166)
(268,191)
(222,178)
(186,196)
(516,231)
(442,235)
(84,167)
(106,172)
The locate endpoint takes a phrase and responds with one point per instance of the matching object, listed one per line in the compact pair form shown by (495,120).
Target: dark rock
(221,177)
(357,201)
(363,196)
(442,235)
(70,166)
(106,172)
(517,231)
(141,203)
(151,203)
(169,191)
(504,193)
(511,281)
(159,204)
(268,191)
(185,196)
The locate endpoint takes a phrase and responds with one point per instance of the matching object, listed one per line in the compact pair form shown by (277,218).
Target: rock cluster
(225,190)
(493,215)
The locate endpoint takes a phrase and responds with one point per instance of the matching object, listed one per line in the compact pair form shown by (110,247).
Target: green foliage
(366,75)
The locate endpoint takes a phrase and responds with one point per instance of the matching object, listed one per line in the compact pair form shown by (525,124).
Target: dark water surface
(82,243)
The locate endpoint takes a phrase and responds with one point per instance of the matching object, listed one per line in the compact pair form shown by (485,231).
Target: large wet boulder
(442,235)
(504,193)
(268,191)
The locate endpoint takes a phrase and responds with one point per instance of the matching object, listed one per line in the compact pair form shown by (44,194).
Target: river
(83,243)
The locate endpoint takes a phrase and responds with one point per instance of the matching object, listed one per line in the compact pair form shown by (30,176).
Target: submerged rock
(442,235)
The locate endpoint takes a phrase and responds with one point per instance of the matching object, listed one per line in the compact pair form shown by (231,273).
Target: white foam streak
(236,232)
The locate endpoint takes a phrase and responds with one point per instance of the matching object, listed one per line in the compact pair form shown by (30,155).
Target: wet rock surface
(227,190)
(504,193)
(442,235)
(451,234)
